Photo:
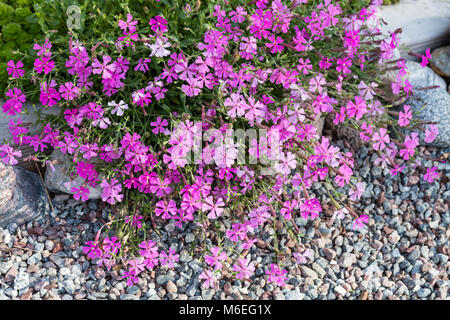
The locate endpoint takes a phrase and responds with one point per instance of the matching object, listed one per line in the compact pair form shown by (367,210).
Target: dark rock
(440,61)
(22,196)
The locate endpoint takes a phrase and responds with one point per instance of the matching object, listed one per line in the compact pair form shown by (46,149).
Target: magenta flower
(404,117)
(135,221)
(111,245)
(8,155)
(43,50)
(276,275)
(92,250)
(425,58)
(244,269)
(158,24)
(15,70)
(168,259)
(80,193)
(381,138)
(210,279)
(237,232)
(359,222)
(431,133)
(304,65)
(111,191)
(142,65)
(358,108)
(311,208)
(288,207)
(275,44)
(213,207)
(44,64)
(159,126)
(49,96)
(166,208)
(69,91)
(149,250)
(215,258)
(14,104)
(431,174)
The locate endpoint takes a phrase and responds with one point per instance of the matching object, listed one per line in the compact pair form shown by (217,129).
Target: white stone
(425,23)
(57,179)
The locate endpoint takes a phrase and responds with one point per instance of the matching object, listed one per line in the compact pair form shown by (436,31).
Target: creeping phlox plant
(162,146)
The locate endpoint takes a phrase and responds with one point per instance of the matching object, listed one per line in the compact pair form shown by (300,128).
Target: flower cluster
(277,66)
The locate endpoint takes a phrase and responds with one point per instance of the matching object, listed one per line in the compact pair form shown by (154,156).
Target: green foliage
(11,31)
(22,22)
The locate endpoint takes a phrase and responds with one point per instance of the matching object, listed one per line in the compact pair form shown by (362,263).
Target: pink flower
(425,58)
(431,133)
(355,195)
(129,24)
(210,280)
(359,222)
(15,70)
(275,44)
(168,259)
(431,174)
(343,179)
(381,138)
(244,269)
(311,208)
(410,143)
(303,257)
(111,191)
(159,126)
(214,207)
(215,258)
(14,104)
(8,155)
(69,91)
(277,275)
(340,214)
(158,24)
(404,117)
(44,64)
(192,88)
(80,192)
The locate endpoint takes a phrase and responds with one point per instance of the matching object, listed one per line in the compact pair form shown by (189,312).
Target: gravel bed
(402,254)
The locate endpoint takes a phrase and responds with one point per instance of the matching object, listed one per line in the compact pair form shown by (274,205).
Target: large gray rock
(57,180)
(30,117)
(440,61)
(434,106)
(430,105)
(421,77)
(22,196)
(425,23)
